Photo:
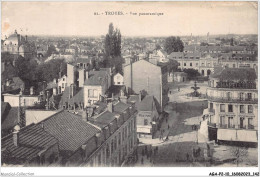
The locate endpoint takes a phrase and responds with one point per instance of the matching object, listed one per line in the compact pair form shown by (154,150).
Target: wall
(86,96)
(145,76)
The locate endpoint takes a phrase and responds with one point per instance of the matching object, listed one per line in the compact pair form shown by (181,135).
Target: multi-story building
(116,145)
(145,76)
(29,146)
(96,84)
(232,114)
(17,44)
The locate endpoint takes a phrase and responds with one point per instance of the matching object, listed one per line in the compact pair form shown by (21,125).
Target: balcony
(232,100)
(226,126)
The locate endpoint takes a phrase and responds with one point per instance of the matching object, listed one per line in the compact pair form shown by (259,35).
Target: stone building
(17,44)
(232,114)
(145,76)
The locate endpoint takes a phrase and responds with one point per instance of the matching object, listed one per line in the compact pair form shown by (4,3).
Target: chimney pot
(16,135)
(84,115)
(110,107)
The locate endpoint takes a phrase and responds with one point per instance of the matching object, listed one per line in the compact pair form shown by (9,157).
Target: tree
(112,45)
(172,66)
(239,153)
(173,44)
(158,47)
(192,73)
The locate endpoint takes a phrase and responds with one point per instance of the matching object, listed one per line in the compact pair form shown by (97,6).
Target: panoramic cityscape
(130,92)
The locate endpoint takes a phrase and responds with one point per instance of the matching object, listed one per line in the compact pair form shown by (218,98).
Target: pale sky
(180,18)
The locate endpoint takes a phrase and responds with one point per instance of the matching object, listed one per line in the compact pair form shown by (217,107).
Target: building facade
(232,113)
(145,76)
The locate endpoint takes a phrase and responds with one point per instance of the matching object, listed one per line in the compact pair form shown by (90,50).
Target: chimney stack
(84,115)
(47,104)
(16,135)
(110,107)
(31,90)
(140,96)
(87,74)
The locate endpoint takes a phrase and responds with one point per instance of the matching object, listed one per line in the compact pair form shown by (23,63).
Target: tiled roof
(70,130)
(103,119)
(147,104)
(243,74)
(96,78)
(121,107)
(32,140)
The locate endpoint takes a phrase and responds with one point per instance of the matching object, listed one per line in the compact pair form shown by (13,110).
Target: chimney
(16,135)
(84,115)
(110,107)
(47,104)
(140,96)
(31,90)
(72,90)
(87,75)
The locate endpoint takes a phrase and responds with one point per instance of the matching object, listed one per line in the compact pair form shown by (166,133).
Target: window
(242,109)
(63,79)
(115,143)
(249,96)
(250,123)
(107,151)
(222,107)
(230,122)
(197,64)
(179,64)
(90,93)
(222,120)
(241,96)
(250,109)
(118,82)
(184,64)
(208,64)
(145,122)
(228,95)
(230,108)
(202,64)
(234,65)
(190,64)
(112,146)
(62,85)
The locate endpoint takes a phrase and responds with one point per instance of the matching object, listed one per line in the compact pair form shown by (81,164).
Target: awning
(237,135)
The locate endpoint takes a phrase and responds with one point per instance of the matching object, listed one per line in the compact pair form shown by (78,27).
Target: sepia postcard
(122,84)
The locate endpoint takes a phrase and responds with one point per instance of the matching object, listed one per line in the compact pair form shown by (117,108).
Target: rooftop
(32,140)
(70,130)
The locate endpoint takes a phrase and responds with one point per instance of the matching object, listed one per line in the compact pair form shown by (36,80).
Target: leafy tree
(192,73)
(173,44)
(112,46)
(172,66)
(158,47)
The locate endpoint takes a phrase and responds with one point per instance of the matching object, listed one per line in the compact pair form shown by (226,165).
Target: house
(16,100)
(118,79)
(148,116)
(29,146)
(143,75)
(62,84)
(96,85)
(159,56)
